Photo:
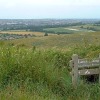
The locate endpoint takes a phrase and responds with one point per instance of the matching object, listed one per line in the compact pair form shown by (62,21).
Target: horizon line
(46,18)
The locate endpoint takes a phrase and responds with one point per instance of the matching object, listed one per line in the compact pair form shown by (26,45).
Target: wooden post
(99,68)
(71,65)
(75,70)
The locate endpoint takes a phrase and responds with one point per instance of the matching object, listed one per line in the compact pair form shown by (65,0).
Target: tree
(46,34)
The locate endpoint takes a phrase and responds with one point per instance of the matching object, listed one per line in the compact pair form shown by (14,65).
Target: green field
(73,29)
(37,68)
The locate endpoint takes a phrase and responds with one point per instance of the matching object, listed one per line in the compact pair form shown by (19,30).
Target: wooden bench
(84,67)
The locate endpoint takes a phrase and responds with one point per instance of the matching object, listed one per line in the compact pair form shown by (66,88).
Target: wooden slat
(82,63)
(89,71)
(96,62)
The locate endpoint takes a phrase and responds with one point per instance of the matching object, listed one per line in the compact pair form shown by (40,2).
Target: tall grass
(30,74)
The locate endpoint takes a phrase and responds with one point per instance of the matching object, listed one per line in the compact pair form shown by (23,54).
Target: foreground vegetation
(30,74)
(36,66)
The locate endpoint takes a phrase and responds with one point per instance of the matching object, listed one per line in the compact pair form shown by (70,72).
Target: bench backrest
(84,67)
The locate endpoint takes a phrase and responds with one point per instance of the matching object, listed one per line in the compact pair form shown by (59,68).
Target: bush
(46,34)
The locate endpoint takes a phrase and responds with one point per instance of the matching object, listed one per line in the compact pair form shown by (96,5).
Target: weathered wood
(75,70)
(71,63)
(83,63)
(84,67)
(88,71)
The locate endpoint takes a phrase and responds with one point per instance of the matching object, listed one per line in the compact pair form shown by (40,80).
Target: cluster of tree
(97,23)
(93,29)
(57,32)
(90,28)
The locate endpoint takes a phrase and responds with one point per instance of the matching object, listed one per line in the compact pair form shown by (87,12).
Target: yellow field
(23,32)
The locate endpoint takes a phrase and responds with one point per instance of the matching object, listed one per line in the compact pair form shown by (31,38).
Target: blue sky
(34,9)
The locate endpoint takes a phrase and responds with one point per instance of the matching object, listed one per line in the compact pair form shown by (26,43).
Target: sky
(39,9)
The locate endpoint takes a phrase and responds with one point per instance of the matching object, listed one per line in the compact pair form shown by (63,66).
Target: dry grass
(23,32)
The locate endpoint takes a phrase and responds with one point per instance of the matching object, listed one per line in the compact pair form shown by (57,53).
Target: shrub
(46,34)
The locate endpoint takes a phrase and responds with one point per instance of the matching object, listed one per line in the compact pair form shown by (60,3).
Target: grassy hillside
(64,41)
(37,68)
